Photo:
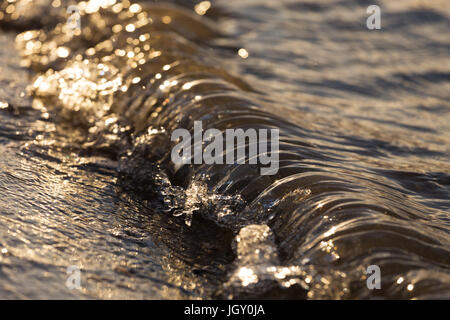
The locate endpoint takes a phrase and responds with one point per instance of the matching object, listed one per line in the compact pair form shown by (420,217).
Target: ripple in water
(364,146)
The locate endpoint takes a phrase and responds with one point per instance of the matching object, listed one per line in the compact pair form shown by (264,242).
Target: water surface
(87,179)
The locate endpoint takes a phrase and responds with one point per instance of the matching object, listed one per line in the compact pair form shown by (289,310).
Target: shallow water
(87,180)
